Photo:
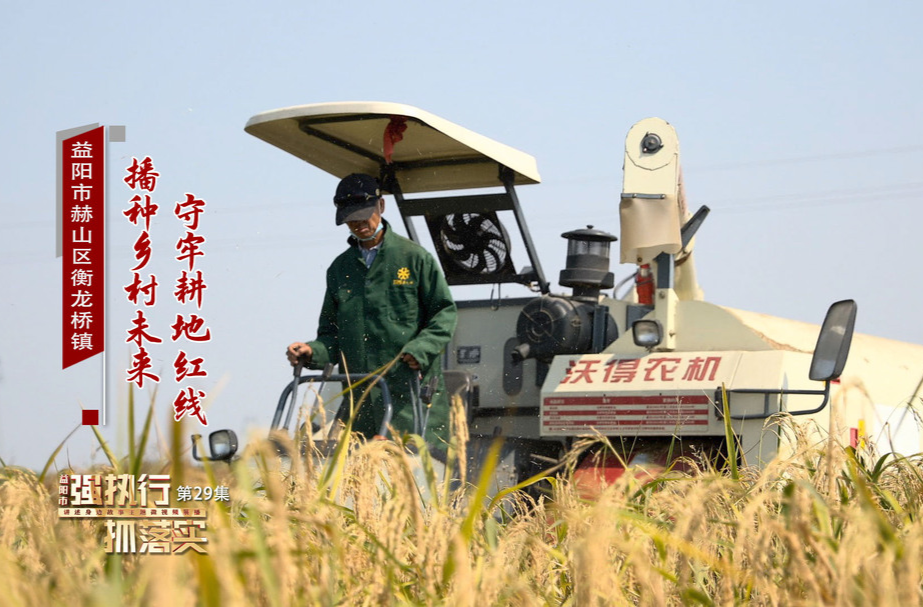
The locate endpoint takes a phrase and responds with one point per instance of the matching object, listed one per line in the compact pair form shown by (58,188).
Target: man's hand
(411,361)
(299,351)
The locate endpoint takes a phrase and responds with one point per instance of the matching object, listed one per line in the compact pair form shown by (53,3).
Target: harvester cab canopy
(413,152)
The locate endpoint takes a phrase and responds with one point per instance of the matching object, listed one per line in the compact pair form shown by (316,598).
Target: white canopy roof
(434,154)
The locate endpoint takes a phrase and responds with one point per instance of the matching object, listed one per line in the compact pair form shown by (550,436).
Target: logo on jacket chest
(403,277)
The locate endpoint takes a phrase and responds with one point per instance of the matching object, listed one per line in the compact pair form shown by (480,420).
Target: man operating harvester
(386,296)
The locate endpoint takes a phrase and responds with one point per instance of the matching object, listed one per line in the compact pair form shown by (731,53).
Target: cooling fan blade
(476,243)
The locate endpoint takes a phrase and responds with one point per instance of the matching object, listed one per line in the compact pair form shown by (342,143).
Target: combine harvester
(648,370)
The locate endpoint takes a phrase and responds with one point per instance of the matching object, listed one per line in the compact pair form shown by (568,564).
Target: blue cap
(356,198)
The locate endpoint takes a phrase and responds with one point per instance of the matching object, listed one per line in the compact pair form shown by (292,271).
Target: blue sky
(799,125)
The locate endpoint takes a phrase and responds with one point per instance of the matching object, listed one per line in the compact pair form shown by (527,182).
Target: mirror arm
(195,451)
(766,394)
(819,408)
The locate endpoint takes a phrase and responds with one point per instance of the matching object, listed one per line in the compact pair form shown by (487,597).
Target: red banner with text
(83,196)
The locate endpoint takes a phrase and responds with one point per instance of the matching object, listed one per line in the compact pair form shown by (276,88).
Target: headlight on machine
(647,333)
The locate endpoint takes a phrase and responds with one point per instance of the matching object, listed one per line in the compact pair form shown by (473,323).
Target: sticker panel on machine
(567,414)
(468,355)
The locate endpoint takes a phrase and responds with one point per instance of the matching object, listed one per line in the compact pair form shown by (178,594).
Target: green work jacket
(400,304)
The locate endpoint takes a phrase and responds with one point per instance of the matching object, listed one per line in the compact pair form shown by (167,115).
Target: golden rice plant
(827,526)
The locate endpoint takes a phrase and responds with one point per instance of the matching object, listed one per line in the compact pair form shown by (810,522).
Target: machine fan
(473,247)
(476,243)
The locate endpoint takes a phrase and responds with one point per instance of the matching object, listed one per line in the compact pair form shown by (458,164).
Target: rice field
(826,526)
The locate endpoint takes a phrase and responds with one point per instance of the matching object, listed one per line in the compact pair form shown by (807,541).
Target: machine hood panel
(657,394)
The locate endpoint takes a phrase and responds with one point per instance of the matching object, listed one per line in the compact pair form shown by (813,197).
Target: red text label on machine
(619,414)
(614,395)
(701,368)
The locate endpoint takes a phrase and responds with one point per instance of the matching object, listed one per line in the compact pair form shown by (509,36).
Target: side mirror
(834,340)
(830,355)
(222,445)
